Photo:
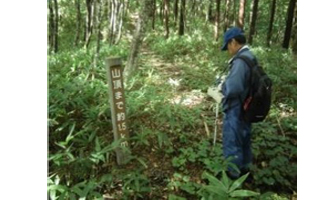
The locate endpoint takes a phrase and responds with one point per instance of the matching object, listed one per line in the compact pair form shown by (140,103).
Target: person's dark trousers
(236,141)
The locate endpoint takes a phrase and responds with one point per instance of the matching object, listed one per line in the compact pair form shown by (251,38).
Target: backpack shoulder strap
(247,60)
(251,63)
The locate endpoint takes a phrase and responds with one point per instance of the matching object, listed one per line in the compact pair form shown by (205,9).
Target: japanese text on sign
(119,104)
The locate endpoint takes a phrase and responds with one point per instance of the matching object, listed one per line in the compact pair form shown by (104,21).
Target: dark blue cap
(230,34)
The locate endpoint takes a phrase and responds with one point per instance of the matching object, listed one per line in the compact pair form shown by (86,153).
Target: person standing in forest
(236,131)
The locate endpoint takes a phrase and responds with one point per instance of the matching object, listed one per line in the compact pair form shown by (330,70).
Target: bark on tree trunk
(241,12)
(182,18)
(153,13)
(289,20)
(78,23)
(175,12)
(137,39)
(98,24)
(253,21)
(294,33)
(120,16)
(89,21)
(112,21)
(226,16)
(272,15)
(56,27)
(250,13)
(97,28)
(161,11)
(233,16)
(51,27)
(209,12)
(166,14)
(217,20)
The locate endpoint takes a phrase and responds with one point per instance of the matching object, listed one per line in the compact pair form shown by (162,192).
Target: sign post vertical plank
(117,103)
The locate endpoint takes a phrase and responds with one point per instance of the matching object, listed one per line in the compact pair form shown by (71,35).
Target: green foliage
(163,130)
(83,190)
(224,189)
(275,157)
(136,185)
(184,183)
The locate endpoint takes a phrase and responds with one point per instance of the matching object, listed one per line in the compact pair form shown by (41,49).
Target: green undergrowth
(172,154)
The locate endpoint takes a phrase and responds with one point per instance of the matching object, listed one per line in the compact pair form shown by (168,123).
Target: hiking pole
(216,123)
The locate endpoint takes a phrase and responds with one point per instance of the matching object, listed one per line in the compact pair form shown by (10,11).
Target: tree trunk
(233,16)
(137,39)
(161,11)
(120,16)
(294,32)
(98,26)
(175,12)
(217,20)
(166,14)
(250,13)
(253,21)
(78,23)
(289,20)
(112,22)
(209,15)
(226,16)
(182,17)
(51,27)
(56,27)
(89,21)
(153,13)
(272,16)
(241,12)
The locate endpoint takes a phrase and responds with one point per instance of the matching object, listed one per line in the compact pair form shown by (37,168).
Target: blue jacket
(236,86)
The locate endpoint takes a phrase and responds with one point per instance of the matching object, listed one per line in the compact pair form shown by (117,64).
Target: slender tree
(233,15)
(226,16)
(272,16)
(175,11)
(89,21)
(253,20)
(294,32)
(51,26)
(78,23)
(121,14)
(153,13)
(97,28)
(289,21)
(209,15)
(55,43)
(98,25)
(112,21)
(161,11)
(137,39)
(182,18)
(250,13)
(217,20)
(241,12)
(166,16)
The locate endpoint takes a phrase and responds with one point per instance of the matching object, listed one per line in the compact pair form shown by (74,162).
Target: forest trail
(171,73)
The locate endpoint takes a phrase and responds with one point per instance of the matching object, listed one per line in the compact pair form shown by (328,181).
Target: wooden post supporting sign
(117,103)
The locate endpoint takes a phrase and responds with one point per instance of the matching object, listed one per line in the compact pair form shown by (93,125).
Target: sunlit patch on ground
(189,99)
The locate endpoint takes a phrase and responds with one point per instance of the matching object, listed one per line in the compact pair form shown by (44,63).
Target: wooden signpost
(117,103)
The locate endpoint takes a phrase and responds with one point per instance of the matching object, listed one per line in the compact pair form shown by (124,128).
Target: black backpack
(257,103)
